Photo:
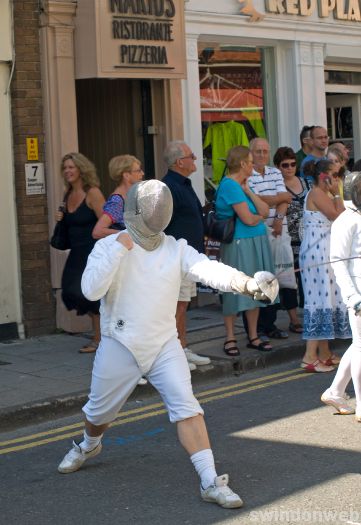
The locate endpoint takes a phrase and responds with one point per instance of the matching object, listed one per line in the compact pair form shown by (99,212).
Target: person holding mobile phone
(325,314)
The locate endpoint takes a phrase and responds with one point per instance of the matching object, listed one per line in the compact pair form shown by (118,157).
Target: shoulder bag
(221,230)
(60,238)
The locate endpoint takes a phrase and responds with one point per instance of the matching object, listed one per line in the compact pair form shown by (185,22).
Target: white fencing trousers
(350,365)
(116,374)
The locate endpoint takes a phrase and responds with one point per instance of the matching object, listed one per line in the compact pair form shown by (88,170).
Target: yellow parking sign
(32,148)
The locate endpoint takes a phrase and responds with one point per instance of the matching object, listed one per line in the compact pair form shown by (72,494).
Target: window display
(232,102)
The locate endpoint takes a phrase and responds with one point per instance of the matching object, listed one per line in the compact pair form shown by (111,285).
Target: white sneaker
(221,494)
(195,358)
(74,459)
(337,402)
(192,366)
(142,381)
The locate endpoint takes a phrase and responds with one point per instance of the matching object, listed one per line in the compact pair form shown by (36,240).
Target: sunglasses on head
(288,164)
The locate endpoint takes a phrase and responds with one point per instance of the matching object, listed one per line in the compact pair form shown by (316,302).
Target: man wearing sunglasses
(186,223)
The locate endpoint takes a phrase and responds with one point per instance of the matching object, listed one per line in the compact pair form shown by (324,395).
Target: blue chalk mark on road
(119,440)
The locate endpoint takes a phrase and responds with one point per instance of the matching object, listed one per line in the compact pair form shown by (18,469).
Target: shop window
(232,103)
(347,78)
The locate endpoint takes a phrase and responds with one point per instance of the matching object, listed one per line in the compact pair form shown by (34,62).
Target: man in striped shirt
(267,182)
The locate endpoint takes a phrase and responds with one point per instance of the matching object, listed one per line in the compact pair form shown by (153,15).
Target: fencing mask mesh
(148,210)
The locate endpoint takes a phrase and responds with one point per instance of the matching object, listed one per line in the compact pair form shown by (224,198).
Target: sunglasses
(288,164)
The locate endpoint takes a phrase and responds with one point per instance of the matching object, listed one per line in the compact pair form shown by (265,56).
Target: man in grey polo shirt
(267,182)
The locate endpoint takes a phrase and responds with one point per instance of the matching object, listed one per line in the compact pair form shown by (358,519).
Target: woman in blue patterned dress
(125,170)
(325,315)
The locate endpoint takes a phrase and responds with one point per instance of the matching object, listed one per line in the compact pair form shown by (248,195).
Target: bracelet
(337,196)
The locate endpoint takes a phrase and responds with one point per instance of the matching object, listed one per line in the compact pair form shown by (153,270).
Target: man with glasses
(186,223)
(306,145)
(319,144)
(268,183)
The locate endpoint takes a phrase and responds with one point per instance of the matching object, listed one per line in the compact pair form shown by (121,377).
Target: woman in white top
(346,248)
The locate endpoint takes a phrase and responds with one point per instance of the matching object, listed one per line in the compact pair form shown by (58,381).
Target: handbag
(221,230)
(60,238)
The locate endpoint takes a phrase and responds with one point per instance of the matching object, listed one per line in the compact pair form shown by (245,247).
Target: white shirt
(270,183)
(139,290)
(346,242)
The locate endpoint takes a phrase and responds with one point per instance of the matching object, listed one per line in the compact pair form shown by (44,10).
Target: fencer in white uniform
(137,275)
(346,254)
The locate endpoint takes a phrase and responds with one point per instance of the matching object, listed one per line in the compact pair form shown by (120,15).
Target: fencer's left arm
(198,267)
(103,262)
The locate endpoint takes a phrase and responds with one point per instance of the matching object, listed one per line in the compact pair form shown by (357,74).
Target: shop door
(343,122)
(114,117)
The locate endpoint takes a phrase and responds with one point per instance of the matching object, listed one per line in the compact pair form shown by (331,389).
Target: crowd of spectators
(304,194)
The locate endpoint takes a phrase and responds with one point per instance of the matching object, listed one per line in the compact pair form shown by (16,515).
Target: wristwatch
(279,216)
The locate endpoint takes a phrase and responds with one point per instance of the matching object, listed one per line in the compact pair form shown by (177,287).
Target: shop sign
(137,38)
(348,10)
(34,178)
(340,9)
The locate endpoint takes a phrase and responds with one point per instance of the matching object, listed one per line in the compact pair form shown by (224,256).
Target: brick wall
(37,299)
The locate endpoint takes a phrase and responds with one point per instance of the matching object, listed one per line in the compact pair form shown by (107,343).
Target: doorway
(344,122)
(114,116)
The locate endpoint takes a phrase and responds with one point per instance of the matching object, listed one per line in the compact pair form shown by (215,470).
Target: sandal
(276,333)
(90,348)
(316,366)
(296,328)
(333,360)
(263,346)
(232,351)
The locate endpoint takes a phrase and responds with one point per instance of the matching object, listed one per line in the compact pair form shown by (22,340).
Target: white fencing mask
(148,210)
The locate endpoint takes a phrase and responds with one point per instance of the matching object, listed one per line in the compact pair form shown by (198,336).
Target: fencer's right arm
(103,262)
(197,267)
(344,232)
(262,287)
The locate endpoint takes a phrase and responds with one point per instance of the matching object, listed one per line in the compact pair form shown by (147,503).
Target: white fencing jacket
(346,242)
(139,290)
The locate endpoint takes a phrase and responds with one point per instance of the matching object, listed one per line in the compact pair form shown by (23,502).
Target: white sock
(203,462)
(89,442)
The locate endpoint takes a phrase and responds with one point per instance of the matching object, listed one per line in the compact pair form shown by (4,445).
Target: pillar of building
(192,112)
(58,75)
(38,306)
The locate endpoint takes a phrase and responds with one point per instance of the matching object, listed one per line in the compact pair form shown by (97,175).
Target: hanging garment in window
(222,136)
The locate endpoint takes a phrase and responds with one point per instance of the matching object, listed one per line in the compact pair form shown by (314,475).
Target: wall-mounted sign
(348,10)
(339,9)
(32,150)
(131,38)
(34,178)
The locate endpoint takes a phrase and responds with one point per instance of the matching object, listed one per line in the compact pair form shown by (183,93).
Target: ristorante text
(134,28)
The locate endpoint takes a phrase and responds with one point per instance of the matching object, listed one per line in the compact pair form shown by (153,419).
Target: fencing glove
(262,287)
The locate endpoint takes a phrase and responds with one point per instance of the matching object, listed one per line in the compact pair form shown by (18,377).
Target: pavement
(46,376)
